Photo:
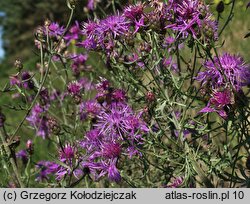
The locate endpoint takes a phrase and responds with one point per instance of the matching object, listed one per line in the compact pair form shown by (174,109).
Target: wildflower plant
(139,97)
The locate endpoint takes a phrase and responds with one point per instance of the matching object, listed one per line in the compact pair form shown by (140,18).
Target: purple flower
(176,183)
(116,130)
(90,29)
(54,29)
(89,44)
(218,102)
(38,120)
(224,70)
(23,80)
(120,122)
(103,85)
(14,80)
(22,154)
(190,17)
(111,150)
(134,11)
(103,32)
(73,33)
(74,88)
(114,25)
(92,140)
(46,168)
(67,152)
(221,98)
(207,110)
(26,81)
(119,95)
(89,108)
(91,4)
(113,173)
(78,63)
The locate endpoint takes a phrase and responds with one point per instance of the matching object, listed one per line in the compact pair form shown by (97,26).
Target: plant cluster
(141,97)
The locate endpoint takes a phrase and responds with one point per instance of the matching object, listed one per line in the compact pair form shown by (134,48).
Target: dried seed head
(30,147)
(47,23)
(150,96)
(54,126)
(18,64)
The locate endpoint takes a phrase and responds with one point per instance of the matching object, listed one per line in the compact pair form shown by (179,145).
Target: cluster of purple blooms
(39,117)
(23,80)
(39,120)
(116,131)
(186,17)
(225,76)
(193,18)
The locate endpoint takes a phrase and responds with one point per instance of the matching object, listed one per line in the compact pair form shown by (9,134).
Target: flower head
(74,88)
(74,32)
(134,12)
(120,121)
(67,152)
(115,25)
(22,154)
(190,17)
(113,173)
(176,183)
(102,33)
(38,120)
(111,150)
(224,70)
(89,108)
(54,29)
(219,102)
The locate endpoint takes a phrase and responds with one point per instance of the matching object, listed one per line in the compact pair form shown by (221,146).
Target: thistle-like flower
(225,71)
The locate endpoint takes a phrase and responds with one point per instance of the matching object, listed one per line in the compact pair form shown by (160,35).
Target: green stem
(12,160)
(33,102)
(229,18)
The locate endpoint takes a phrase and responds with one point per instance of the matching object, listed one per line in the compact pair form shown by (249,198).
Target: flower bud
(47,23)
(71,4)
(53,126)
(220,7)
(30,147)
(39,36)
(18,64)
(150,96)
(77,99)
(15,142)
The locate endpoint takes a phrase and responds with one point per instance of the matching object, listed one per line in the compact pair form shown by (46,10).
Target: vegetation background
(20,18)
